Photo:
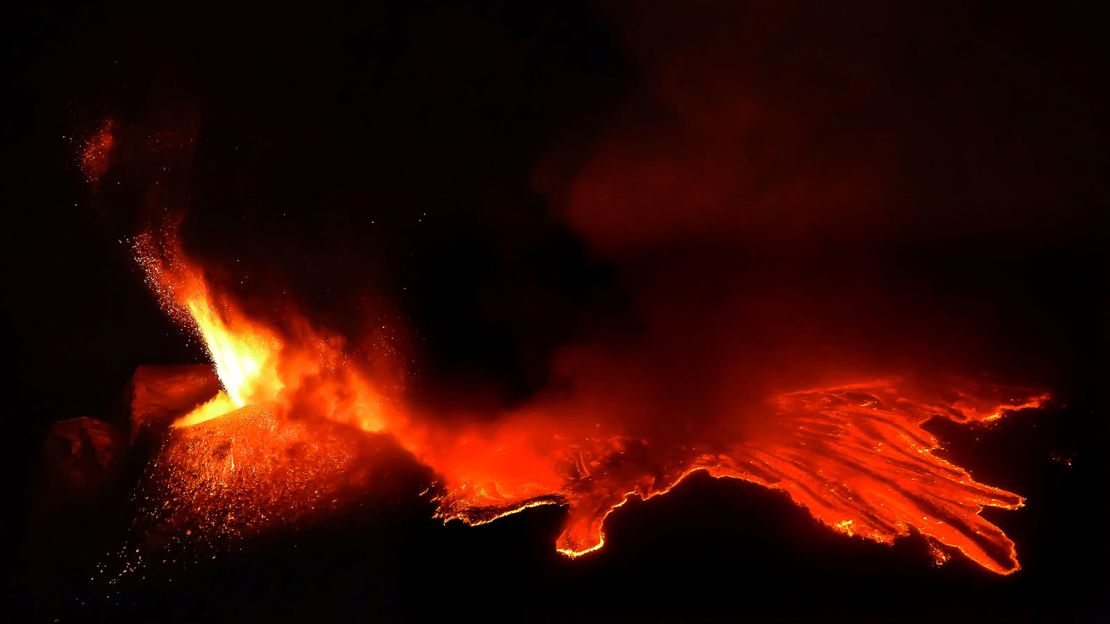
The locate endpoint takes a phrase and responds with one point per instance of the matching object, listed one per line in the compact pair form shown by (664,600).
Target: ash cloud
(796,195)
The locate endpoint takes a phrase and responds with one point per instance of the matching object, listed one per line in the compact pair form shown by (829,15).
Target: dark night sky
(503,179)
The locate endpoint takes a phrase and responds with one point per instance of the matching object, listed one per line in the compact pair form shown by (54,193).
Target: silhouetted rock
(81,456)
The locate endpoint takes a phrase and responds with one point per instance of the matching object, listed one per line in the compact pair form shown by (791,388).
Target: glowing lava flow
(855,456)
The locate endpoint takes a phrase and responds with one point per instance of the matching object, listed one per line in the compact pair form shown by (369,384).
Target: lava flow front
(287,436)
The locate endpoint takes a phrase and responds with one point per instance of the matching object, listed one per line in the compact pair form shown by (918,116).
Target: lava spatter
(250,471)
(95,154)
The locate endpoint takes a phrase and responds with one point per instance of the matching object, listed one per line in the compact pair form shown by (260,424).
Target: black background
(397,142)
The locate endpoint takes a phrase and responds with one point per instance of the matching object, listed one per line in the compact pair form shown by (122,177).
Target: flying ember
(94,154)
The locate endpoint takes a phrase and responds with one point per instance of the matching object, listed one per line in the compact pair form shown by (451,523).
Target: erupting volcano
(590,310)
(288,434)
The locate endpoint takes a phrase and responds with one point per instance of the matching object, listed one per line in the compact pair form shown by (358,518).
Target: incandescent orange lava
(255,363)
(281,441)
